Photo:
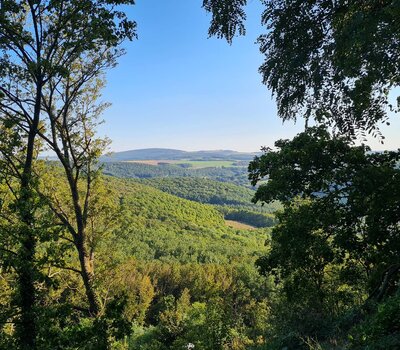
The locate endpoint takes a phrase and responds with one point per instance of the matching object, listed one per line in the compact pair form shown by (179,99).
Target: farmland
(196,164)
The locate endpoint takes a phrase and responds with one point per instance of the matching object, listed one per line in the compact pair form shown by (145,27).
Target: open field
(238,225)
(196,164)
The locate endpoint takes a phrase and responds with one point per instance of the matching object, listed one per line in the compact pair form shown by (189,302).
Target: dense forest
(236,175)
(233,201)
(173,267)
(135,256)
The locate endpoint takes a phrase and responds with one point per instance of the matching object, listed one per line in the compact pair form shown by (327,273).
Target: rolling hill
(161,226)
(174,154)
(236,175)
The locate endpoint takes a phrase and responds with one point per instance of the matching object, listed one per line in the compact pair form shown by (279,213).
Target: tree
(355,190)
(40,42)
(228,18)
(71,137)
(334,61)
(337,240)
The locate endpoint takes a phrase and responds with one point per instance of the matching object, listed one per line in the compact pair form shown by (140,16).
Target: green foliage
(381,330)
(224,317)
(227,18)
(248,217)
(203,190)
(342,54)
(334,62)
(231,200)
(188,278)
(52,57)
(235,175)
(337,240)
(334,253)
(174,268)
(157,225)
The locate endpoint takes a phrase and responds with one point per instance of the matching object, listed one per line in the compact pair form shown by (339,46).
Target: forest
(118,255)
(236,175)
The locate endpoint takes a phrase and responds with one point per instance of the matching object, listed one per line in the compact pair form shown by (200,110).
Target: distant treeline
(236,175)
(169,154)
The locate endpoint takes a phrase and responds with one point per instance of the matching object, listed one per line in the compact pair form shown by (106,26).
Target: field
(196,164)
(238,225)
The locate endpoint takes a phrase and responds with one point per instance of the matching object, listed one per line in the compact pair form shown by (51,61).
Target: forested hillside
(161,226)
(226,188)
(170,268)
(236,175)
(204,190)
(186,273)
(233,201)
(174,154)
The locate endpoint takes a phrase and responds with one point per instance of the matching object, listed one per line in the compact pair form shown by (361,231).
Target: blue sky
(175,88)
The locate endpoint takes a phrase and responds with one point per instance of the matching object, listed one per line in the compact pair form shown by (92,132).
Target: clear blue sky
(175,88)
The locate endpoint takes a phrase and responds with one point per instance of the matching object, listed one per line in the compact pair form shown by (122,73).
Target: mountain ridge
(176,154)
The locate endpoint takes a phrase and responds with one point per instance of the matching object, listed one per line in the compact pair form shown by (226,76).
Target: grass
(238,225)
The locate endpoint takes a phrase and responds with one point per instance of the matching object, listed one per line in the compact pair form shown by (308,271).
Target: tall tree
(337,240)
(70,133)
(40,40)
(335,62)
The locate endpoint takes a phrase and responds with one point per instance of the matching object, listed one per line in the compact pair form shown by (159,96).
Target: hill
(203,190)
(182,271)
(174,154)
(233,201)
(158,225)
(225,188)
(236,175)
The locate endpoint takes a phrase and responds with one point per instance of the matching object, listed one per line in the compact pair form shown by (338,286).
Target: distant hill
(236,175)
(174,154)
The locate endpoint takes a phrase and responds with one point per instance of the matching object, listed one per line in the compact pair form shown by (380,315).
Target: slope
(158,225)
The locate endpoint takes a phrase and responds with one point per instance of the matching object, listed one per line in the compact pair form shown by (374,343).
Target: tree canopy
(336,244)
(331,61)
(50,53)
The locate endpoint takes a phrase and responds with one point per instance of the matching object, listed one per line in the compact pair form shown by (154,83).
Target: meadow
(196,164)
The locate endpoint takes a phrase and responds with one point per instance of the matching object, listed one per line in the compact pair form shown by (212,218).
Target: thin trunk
(87,272)
(79,235)
(27,270)
(27,292)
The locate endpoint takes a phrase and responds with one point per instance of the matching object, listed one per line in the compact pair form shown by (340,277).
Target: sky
(177,88)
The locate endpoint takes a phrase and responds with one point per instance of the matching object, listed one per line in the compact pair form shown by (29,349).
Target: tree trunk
(27,329)
(26,270)
(87,272)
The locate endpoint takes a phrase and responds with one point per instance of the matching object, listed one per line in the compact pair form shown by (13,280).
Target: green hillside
(233,201)
(169,154)
(183,271)
(158,225)
(237,175)
(203,190)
